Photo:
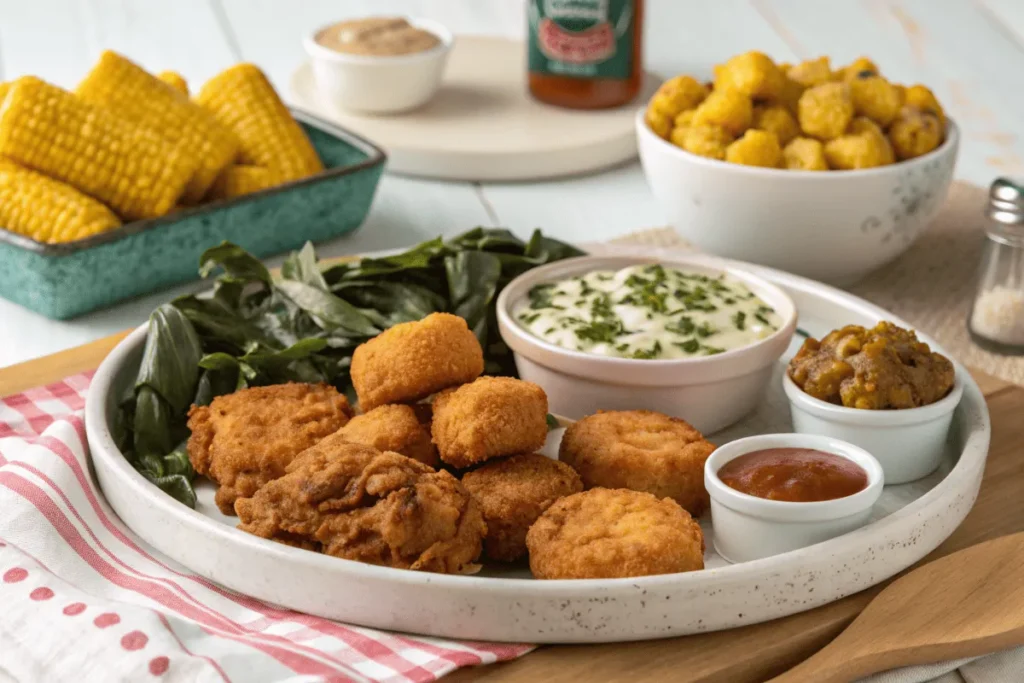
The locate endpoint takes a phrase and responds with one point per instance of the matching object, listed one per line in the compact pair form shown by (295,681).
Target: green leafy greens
(253,329)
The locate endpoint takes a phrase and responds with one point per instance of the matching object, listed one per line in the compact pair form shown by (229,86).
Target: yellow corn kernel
(175,80)
(124,88)
(47,210)
(239,180)
(128,167)
(244,100)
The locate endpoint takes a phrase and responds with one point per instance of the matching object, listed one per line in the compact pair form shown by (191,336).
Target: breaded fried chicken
(512,493)
(410,361)
(640,450)
(355,502)
(395,428)
(613,533)
(489,418)
(243,440)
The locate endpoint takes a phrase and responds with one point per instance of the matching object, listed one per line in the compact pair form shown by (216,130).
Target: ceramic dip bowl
(750,528)
(709,392)
(908,443)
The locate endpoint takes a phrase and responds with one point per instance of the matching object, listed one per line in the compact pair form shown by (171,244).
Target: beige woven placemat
(931,286)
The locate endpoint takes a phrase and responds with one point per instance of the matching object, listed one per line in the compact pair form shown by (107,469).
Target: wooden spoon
(966,604)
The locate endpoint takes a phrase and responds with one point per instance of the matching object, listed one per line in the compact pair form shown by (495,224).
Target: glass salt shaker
(996,320)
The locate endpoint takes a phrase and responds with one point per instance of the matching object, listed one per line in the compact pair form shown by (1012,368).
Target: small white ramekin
(749,528)
(379,84)
(710,392)
(908,443)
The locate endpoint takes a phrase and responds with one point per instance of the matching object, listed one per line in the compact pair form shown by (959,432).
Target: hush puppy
(640,450)
(357,503)
(826,110)
(394,428)
(513,493)
(245,439)
(489,418)
(614,533)
(755,148)
(412,360)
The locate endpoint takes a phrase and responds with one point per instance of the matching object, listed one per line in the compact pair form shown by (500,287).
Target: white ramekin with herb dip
(695,337)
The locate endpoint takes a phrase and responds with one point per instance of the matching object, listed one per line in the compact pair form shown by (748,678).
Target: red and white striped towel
(83,599)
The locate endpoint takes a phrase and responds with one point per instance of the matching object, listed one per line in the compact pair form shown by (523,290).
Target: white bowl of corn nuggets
(826,173)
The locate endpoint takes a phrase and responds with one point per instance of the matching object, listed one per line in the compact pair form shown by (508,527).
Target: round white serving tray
(503,603)
(482,125)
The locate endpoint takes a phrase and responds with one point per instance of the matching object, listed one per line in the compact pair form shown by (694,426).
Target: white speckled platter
(503,603)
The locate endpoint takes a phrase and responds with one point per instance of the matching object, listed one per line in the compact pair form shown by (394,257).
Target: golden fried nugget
(489,418)
(413,360)
(614,533)
(245,439)
(513,493)
(640,450)
(393,428)
(355,502)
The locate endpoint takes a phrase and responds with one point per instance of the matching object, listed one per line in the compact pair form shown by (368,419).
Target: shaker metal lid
(1006,201)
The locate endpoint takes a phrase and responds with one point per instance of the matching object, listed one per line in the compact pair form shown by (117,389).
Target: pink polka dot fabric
(83,599)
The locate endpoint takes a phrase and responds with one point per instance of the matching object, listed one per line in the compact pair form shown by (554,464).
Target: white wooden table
(970,53)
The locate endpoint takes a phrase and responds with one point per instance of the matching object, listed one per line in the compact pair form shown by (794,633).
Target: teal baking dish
(61,281)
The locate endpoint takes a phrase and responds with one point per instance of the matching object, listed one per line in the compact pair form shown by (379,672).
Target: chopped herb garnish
(549,330)
(760,318)
(540,295)
(705,330)
(683,325)
(690,345)
(647,354)
(529,318)
(601,331)
(739,319)
(712,350)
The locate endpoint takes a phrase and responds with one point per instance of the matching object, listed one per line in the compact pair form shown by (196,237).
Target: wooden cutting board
(743,655)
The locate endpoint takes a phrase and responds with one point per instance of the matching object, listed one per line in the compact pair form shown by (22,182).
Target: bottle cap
(1006,201)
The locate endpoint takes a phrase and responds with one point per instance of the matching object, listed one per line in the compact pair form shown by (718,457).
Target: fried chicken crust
(513,493)
(395,428)
(243,440)
(489,418)
(355,502)
(410,361)
(640,450)
(614,533)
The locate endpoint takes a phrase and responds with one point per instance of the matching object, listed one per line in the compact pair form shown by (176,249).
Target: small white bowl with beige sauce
(379,65)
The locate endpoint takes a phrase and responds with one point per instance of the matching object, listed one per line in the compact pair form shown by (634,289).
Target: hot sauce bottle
(585,54)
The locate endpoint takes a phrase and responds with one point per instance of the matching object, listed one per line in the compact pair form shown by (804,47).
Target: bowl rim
(799,399)
(508,326)
(791,511)
(950,144)
(317,51)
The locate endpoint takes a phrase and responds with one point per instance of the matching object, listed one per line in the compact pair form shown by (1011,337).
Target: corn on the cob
(175,80)
(127,90)
(128,167)
(238,180)
(243,99)
(47,210)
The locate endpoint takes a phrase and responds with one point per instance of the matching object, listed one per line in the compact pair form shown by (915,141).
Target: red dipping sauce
(796,475)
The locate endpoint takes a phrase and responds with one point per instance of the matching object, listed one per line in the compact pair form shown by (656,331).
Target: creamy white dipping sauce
(647,311)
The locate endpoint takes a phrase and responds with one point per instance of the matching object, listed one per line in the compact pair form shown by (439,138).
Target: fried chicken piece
(513,493)
(489,418)
(614,533)
(245,439)
(395,428)
(355,502)
(410,361)
(886,367)
(640,450)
